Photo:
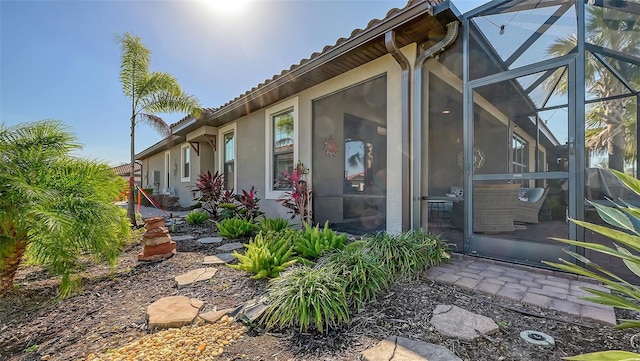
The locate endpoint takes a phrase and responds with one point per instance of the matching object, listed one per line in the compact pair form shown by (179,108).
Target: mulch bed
(109,311)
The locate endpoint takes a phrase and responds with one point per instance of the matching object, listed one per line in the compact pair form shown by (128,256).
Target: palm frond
(166,101)
(156,123)
(135,61)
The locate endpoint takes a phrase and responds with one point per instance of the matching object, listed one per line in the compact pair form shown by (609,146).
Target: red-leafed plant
(298,200)
(249,207)
(211,188)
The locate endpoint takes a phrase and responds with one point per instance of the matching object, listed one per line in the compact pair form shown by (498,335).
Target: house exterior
(470,126)
(124,171)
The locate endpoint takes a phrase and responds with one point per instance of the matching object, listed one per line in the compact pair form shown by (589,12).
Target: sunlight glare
(227,7)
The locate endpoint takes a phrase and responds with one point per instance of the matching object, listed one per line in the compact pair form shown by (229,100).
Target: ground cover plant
(626,236)
(196,217)
(236,228)
(314,241)
(54,207)
(267,255)
(307,297)
(407,253)
(363,274)
(273,224)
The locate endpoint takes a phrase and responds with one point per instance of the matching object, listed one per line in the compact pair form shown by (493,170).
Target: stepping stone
(453,321)
(233,246)
(200,274)
(215,316)
(186,237)
(208,240)
(397,348)
(174,311)
(219,259)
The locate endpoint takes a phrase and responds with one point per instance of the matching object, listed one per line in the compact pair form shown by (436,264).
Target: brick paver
(539,287)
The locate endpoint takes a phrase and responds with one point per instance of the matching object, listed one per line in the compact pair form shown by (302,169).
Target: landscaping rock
(156,232)
(208,240)
(163,248)
(173,311)
(397,348)
(453,321)
(200,274)
(186,237)
(152,223)
(233,246)
(250,310)
(156,258)
(219,259)
(215,316)
(150,242)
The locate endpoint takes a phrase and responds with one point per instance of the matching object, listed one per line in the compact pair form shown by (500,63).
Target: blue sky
(59,60)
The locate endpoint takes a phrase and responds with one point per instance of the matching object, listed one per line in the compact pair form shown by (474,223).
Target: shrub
(298,200)
(236,228)
(211,188)
(408,252)
(196,217)
(362,273)
(273,224)
(314,242)
(265,256)
(627,237)
(307,297)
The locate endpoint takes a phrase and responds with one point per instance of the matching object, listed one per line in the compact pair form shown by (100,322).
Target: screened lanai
(526,115)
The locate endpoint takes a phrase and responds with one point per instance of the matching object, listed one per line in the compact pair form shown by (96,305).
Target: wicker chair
(493,208)
(527,211)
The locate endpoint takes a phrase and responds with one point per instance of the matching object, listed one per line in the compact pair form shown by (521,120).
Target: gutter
(401,59)
(416,191)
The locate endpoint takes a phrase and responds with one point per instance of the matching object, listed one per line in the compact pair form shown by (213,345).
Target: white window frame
(184,161)
(221,150)
(290,104)
(167,170)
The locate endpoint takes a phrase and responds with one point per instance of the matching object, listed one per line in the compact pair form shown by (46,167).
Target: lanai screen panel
(350,158)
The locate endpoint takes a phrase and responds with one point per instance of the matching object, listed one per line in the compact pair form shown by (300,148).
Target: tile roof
(125,169)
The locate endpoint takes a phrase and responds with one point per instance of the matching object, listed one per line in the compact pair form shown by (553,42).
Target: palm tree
(150,93)
(606,122)
(54,206)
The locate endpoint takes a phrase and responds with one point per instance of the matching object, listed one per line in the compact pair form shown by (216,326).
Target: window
(281,152)
(520,154)
(229,160)
(185,156)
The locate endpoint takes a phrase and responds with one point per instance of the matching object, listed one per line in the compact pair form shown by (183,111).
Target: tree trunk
(614,117)
(9,263)
(131,212)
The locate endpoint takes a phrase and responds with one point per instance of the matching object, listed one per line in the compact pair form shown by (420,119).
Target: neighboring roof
(415,23)
(125,169)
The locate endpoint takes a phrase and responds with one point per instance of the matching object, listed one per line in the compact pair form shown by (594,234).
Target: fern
(266,257)
(314,242)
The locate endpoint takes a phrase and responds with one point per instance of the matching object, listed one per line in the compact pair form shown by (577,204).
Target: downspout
(416,186)
(401,59)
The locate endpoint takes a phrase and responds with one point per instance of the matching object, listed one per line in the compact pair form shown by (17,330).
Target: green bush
(314,242)
(265,256)
(407,253)
(307,297)
(236,228)
(362,273)
(627,246)
(196,217)
(273,224)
